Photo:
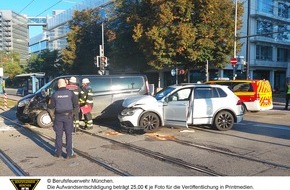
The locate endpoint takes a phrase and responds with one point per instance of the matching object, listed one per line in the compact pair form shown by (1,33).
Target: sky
(37,8)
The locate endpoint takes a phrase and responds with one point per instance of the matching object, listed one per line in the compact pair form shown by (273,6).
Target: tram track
(79,152)
(143,151)
(160,156)
(15,168)
(190,144)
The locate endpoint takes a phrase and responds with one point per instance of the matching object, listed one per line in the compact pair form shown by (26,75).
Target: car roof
(195,85)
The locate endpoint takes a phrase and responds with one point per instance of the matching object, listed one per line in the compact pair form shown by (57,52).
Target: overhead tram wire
(49,8)
(26,6)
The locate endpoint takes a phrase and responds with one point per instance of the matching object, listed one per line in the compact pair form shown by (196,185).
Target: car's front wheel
(150,122)
(224,121)
(44,120)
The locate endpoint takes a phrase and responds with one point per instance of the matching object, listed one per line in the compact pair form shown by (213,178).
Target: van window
(99,84)
(242,87)
(127,83)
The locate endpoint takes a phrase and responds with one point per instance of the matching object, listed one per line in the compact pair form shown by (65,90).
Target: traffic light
(104,63)
(96,61)
(245,66)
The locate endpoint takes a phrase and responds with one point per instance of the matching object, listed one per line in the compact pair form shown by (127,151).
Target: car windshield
(43,87)
(159,95)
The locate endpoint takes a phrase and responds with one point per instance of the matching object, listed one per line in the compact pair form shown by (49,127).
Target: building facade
(266,42)
(14,34)
(265,36)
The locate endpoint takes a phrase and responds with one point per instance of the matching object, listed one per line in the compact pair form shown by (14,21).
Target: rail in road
(175,161)
(14,167)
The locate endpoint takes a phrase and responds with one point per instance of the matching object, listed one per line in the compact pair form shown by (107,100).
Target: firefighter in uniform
(287,96)
(73,86)
(64,103)
(86,99)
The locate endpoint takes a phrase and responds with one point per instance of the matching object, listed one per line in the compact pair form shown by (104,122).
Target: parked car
(109,91)
(183,105)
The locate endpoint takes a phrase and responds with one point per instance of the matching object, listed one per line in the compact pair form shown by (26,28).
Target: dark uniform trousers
(63,123)
(76,90)
(64,102)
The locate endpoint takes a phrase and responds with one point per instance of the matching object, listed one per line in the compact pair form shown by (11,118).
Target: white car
(182,105)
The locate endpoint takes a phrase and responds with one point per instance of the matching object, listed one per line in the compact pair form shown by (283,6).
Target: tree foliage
(84,39)
(46,61)
(186,32)
(11,63)
(123,52)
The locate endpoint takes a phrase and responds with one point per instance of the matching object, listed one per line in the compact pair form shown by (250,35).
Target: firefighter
(86,100)
(63,102)
(73,86)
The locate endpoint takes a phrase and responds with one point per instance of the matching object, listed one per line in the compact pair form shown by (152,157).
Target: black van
(109,91)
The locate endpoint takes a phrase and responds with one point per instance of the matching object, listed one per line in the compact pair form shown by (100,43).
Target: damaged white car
(183,105)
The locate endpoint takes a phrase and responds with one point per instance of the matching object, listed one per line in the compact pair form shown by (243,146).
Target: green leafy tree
(185,32)
(84,39)
(11,63)
(124,53)
(47,62)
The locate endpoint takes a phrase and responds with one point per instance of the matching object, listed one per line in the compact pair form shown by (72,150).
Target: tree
(11,63)
(123,52)
(83,39)
(182,32)
(46,61)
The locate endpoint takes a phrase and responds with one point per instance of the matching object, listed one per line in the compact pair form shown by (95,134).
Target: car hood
(138,100)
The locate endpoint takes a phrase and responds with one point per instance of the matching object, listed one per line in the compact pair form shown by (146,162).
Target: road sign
(234,61)
(173,72)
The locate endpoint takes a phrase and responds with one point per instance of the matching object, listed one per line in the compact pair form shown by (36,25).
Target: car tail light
(239,102)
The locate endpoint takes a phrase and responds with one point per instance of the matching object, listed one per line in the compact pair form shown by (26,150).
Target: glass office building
(265,38)
(14,34)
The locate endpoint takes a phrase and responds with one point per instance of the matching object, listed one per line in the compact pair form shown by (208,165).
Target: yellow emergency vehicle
(256,95)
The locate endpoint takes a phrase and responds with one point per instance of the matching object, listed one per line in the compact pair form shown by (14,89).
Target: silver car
(183,105)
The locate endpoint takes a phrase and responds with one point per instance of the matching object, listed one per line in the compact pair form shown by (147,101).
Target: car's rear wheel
(150,122)
(44,120)
(224,121)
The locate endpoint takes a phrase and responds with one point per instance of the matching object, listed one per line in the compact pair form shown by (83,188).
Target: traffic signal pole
(101,60)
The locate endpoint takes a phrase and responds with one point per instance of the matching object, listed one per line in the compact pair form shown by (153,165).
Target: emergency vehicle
(256,95)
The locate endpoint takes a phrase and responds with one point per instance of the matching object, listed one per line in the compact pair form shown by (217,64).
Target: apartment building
(14,34)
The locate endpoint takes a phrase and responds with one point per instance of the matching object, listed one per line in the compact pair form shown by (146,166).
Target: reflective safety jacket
(86,96)
(75,88)
(288,89)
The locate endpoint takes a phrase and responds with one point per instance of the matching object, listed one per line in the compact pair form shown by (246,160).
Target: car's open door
(177,110)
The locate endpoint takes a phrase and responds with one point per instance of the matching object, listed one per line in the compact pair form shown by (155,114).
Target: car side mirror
(45,93)
(166,100)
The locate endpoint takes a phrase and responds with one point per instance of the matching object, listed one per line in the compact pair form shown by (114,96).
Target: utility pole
(235,36)
(248,43)
(206,72)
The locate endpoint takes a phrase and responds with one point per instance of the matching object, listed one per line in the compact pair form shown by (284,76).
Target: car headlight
(23,103)
(128,112)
